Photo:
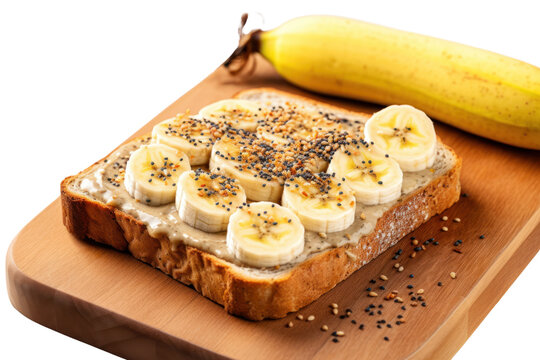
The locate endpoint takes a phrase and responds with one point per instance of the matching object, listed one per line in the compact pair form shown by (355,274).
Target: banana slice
(239,114)
(374,179)
(152,173)
(322,202)
(406,134)
(265,234)
(206,201)
(291,123)
(250,162)
(194,137)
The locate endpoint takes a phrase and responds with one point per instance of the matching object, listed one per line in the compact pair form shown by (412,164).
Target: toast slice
(91,210)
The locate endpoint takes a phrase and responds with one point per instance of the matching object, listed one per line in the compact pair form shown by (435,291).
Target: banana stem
(247,44)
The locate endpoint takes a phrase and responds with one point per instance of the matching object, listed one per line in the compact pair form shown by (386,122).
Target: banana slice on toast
(152,173)
(322,202)
(206,201)
(265,234)
(406,134)
(374,179)
(237,113)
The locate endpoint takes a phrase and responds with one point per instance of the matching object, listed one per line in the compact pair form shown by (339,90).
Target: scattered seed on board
(400,269)
(396,265)
(453,275)
(311,318)
(334,311)
(444,228)
(415,242)
(457,220)
(444,218)
(324,328)
(363,216)
(323,235)
(420,291)
(373,294)
(300,317)
(334,306)
(290,324)
(340,333)
(384,277)
(413,255)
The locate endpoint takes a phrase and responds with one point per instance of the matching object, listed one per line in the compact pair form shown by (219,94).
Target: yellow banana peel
(479,91)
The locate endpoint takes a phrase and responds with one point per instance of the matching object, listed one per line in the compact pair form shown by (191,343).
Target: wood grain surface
(112,301)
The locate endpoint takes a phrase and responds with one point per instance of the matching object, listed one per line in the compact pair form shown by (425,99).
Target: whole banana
(488,94)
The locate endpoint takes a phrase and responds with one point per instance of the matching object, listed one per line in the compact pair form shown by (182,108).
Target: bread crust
(250,297)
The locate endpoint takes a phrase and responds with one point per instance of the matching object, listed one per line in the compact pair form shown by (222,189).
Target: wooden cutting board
(112,301)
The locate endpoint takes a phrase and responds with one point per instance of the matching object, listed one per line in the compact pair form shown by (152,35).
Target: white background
(78,77)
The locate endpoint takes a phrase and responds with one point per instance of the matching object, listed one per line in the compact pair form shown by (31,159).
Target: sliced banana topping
(239,114)
(374,179)
(194,137)
(262,166)
(406,134)
(265,234)
(322,202)
(286,124)
(248,160)
(152,173)
(206,201)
